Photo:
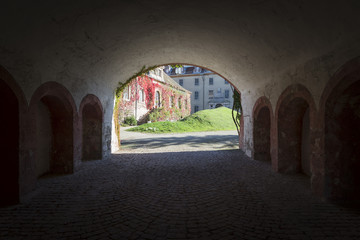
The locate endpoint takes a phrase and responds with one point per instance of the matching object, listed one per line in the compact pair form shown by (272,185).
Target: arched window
(171,101)
(127,93)
(157,99)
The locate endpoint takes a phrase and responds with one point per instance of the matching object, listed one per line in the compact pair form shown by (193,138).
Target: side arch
(295,118)
(338,135)
(13,140)
(263,125)
(55,130)
(91,115)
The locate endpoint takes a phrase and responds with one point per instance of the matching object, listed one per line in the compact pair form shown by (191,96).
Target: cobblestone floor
(177,195)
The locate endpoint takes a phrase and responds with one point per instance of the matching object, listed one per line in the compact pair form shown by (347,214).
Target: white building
(209,90)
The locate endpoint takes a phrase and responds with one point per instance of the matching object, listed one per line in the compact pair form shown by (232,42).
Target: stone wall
(69,50)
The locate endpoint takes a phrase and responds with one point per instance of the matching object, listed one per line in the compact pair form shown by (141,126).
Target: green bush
(158,114)
(130,121)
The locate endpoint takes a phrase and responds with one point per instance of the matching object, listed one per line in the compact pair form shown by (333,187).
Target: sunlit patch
(170,99)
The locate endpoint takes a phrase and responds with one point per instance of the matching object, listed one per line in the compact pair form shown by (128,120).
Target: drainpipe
(203,78)
(136,98)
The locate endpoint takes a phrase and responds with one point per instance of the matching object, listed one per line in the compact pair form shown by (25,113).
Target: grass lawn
(218,119)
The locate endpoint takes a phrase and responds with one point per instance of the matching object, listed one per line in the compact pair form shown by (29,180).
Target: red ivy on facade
(149,87)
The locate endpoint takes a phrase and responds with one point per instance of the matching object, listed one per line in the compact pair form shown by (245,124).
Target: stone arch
(294,139)
(115,138)
(91,115)
(55,124)
(339,128)
(13,106)
(262,129)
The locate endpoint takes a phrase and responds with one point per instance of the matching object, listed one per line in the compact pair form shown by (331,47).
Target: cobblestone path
(177,195)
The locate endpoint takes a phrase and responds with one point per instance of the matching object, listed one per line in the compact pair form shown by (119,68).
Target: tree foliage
(237,109)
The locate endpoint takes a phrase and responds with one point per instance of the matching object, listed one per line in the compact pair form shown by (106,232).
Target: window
(179,103)
(127,93)
(211,81)
(226,82)
(181,82)
(211,93)
(226,93)
(157,99)
(142,96)
(178,70)
(186,104)
(196,81)
(196,95)
(219,90)
(196,108)
(171,101)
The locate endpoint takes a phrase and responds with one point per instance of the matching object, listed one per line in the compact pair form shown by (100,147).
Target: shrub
(155,115)
(130,121)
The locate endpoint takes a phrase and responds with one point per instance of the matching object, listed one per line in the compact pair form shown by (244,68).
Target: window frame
(211,81)
(227,92)
(196,108)
(211,93)
(127,93)
(196,82)
(157,99)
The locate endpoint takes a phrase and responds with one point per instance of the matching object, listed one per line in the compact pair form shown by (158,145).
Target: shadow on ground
(198,142)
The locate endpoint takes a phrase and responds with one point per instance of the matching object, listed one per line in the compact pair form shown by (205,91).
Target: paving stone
(207,194)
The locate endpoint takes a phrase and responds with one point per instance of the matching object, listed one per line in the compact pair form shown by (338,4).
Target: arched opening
(261,133)
(294,137)
(92,120)
(9,129)
(54,137)
(342,142)
(54,114)
(174,101)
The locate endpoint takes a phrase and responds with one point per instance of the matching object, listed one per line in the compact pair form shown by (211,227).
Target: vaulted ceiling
(258,45)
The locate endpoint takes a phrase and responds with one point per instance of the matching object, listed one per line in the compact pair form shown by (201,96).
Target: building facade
(209,90)
(154,96)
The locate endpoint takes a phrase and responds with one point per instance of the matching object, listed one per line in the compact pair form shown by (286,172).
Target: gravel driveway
(177,142)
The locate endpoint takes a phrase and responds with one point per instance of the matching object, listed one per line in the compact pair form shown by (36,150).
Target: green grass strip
(218,119)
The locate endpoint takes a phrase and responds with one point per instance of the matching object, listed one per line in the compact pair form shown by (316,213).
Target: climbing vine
(237,110)
(140,81)
(118,95)
(122,86)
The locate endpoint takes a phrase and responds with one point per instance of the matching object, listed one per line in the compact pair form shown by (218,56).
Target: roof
(188,70)
(174,84)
